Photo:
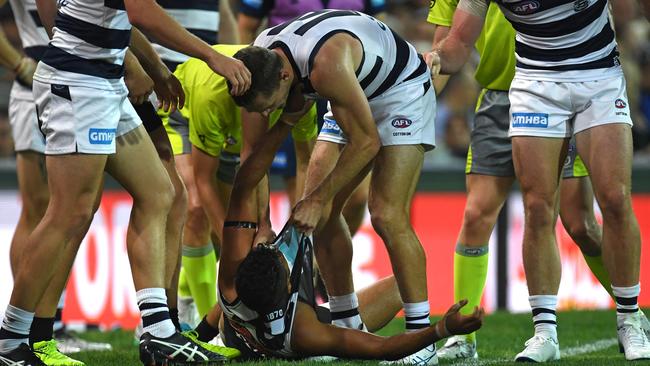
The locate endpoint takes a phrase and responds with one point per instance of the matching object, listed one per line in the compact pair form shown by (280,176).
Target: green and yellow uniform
(214,118)
(491,149)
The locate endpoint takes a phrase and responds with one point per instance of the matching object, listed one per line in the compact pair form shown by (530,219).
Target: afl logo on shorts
(525,7)
(401,123)
(620,103)
(580,5)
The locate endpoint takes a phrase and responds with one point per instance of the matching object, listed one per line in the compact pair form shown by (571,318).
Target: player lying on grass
(267,296)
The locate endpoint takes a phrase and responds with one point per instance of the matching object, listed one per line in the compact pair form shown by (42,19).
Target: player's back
(387,59)
(88,45)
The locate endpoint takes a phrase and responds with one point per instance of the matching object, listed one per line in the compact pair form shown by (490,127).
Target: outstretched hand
(169,92)
(454,323)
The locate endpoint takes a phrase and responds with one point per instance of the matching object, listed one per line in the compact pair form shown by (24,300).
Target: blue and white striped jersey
(388,60)
(88,46)
(199,17)
(562,40)
(33,36)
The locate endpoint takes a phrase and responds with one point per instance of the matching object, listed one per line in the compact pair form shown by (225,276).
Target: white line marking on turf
(595,346)
(589,347)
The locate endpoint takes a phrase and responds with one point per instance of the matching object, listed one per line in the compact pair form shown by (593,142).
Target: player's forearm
(356,155)
(263,197)
(453,54)
(211,201)
(440,33)
(247,27)
(148,16)
(303,153)
(147,56)
(228,33)
(47,12)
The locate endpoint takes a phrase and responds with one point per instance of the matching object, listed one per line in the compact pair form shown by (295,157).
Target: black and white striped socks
(345,311)
(155,313)
(416,315)
(626,301)
(544,317)
(15,328)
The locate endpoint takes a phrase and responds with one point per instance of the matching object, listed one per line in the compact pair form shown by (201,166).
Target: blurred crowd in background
(456,103)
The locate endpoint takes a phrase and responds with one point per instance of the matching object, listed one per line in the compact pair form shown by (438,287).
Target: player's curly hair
(265,66)
(261,280)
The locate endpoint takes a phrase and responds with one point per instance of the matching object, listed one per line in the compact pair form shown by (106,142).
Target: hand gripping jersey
(270,334)
(32,33)
(387,60)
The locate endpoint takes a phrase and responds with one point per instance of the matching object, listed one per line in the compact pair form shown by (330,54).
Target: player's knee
(388,220)
(539,211)
(197,220)
(476,218)
(614,203)
(586,234)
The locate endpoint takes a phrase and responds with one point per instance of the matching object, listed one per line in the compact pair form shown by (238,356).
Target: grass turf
(501,338)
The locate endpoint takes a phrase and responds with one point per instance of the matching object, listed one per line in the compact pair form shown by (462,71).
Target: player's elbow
(136,10)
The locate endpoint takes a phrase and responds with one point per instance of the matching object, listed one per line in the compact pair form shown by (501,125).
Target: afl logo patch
(401,123)
(580,5)
(620,103)
(526,7)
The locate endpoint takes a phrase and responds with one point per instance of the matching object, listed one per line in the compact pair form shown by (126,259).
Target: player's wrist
(441,330)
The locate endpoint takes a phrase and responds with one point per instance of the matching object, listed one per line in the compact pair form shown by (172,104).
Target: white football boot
(458,347)
(540,349)
(425,357)
(632,339)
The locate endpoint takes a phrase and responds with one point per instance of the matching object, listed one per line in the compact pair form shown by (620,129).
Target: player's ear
(284,74)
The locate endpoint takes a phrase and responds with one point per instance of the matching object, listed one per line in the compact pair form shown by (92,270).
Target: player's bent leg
(175,220)
(607,153)
(577,215)
(538,161)
(379,303)
(34,195)
(355,209)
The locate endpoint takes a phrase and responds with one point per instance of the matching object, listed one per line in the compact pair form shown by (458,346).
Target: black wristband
(240,224)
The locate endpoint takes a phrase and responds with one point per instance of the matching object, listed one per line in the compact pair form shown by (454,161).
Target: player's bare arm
(228,32)
(310,337)
(11,59)
(439,81)
(169,90)
(47,13)
(137,80)
(254,126)
(236,241)
(338,60)
(148,16)
(453,51)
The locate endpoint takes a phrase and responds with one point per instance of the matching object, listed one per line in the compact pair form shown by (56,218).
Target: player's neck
(287,66)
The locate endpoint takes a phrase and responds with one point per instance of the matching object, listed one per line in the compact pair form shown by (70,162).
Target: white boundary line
(595,346)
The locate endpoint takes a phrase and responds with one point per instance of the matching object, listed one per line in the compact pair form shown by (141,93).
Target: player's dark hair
(265,66)
(261,280)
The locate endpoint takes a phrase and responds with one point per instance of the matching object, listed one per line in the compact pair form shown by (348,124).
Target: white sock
(15,328)
(626,302)
(155,313)
(416,315)
(544,318)
(345,311)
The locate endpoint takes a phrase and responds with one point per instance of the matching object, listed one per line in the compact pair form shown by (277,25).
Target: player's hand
(137,81)
(454,323)
(306,214)
(25,71)
(233,70)
(169,92)
(432,60)
(264,235)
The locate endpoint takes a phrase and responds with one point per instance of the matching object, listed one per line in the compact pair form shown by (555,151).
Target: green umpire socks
(200,267)
(597,267)
(470,273)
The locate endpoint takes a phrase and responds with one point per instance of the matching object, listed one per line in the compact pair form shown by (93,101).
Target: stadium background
(100,290)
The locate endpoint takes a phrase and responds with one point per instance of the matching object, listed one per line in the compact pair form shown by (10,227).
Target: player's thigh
(607,153)
(538,164)
(394,177)
(136,164)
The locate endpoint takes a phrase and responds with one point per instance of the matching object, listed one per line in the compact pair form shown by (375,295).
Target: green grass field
(586,338)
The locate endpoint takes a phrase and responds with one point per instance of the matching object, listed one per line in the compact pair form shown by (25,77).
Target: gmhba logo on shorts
(101,136)
(539,120)
(401,122)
